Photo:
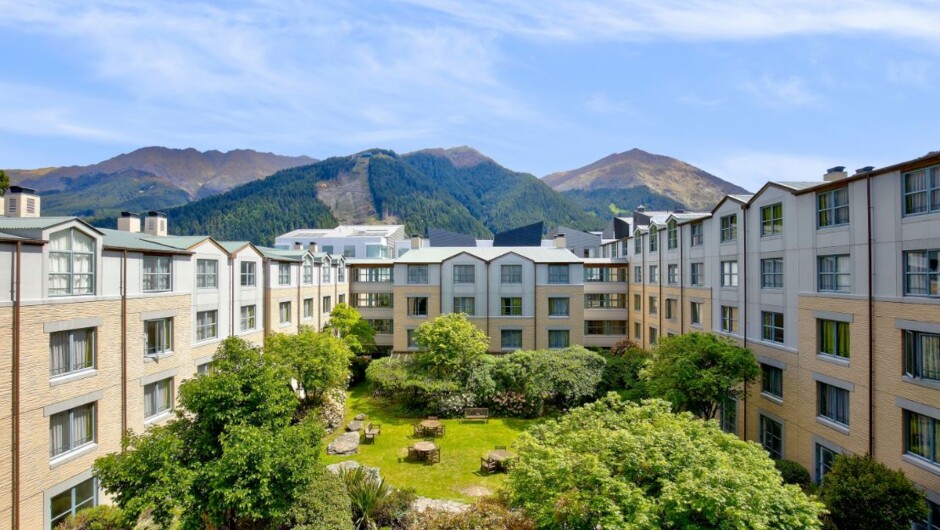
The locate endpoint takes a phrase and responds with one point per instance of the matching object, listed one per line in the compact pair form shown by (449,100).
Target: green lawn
(456,477)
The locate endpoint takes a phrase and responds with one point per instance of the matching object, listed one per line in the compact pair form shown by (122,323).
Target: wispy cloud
(781,92)
(914,73)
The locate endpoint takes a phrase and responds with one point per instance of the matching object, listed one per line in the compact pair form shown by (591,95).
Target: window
(376,251)
(72,351)
(248,321)
(374,275)
(637,274)
(729,273)
(71,263)
(284,312)
(283,273)
(637,245)
(833,273)
(326,271)
(308,308)
(308,272)
(771,220)
(672,235)
(922,273)
(728,413)
(771,437)
(465,305)
(670,308)
(328,249)
(605,301)
(834,338)
(695,313)
(464,273)
(158,274)
(696,273)
(605,327)
(557,307)
(327,305)
(340,273)
(654,239)
(558,274)
(349,251)
(771,380)
(72,501)
(832,208)
(653,335)
(654,273)
(248,278)
(417,274)
(824,459)
(833,403)
(596,274)
(510,307)
(772,326)
(342,299)
(158,397)
(932,522)
(382,326)
(637,302)
(922,191)
(921,436)
(511,273)
(372,300)
(159,336)
(697,234)
(207,325)
(558,338)
(672,274)
(729,228)
(637,331)
(729,319)
(412,341)
(205,368)
(207,274)
(71,430)
(418,306)
(771,273)
(510,339)
(922,355)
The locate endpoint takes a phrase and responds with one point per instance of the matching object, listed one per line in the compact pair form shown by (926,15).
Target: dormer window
(654,239)
(71,263)
(672,235)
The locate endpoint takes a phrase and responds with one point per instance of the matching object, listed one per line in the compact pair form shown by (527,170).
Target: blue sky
(747,90)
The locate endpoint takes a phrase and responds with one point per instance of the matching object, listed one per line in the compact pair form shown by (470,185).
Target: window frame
(933,428)
(248,274)
(165,336)
(510,306)
(460,274)
(552,306)
(838,344)
(248,319)
(672,236)
(168,397)
(72,445)
(697,234)
(416,308)
(204,326)
(156,277)
(283,274)
(556,277)
(728,228)
(728,318)
(697,273)
(75,505)
(461,303)
(729,277)
(771,223)
(930,190)
(205,278)
(771,273)
(554,335)
(73,256)
(672,274)
(832,277)
(833,403)
(931,277)
(285,317)
(695,313)
(510,273)
(307,310)
(771,440)
(829,213)
(417,274)
(71,356)
(771,381)
(913,362)
(504,333)
(772,327)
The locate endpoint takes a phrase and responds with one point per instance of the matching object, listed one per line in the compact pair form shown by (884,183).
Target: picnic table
(427,451)
(433,427)
(497,460)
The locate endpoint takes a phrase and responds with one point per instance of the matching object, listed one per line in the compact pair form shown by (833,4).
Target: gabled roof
(688,217)
(429,255)
(278,254)
(14,224)
(741,199)
(120,240)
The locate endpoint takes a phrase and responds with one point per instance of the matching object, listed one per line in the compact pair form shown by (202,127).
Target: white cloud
(781,92)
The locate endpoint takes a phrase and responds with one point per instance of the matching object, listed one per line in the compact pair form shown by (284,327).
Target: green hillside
(101,197)
(608,202)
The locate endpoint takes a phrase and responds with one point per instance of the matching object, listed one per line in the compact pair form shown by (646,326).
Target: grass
(456,477)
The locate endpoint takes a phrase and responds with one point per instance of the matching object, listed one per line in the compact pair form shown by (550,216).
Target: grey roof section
(524,236)
(233,246)
(576,240)
(278,254)
(137,241)
(443,238)
(799,185)
(535,254)
(742,197)
(15,224)
(370,261)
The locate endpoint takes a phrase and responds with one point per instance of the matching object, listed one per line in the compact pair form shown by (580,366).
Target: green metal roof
(535,254)
(233,246)
(137,241)
(12,224)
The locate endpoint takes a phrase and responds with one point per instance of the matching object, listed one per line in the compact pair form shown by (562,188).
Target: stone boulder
(422,504)
(354,426)
(372,472)
(346,444)
(360,417)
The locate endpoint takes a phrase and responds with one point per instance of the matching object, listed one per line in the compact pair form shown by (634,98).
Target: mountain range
(245,194)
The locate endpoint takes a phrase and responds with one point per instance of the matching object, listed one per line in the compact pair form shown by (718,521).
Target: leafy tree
(347,324)
(793,473)
(863,494)
(450,344)
(695,371)
(615,464)
(622,372)
(563,377)
(101,517)
(318,361)
(231,457)
(4,182)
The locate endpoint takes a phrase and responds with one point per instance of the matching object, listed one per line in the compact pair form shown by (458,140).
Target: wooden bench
(477,414)
(372,430)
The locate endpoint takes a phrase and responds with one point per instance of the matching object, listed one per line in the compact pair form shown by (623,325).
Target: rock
(333,411)
(346,444)
(360,417)
(373,472)
(354,426)
(423,503)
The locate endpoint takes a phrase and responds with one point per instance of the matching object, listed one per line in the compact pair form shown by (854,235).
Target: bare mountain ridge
(663,175)
(199,174)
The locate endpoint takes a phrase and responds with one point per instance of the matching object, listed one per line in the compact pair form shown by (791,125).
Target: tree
(231,457)
(450,344)
(696,371)
(347,324)
(617,464)
(318,361)
(625,361)
(863,494)
(4,182)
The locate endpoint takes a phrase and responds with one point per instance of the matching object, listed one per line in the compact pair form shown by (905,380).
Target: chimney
(640,209)
(21,202)
(835,173)
(155,224)
(416,241)
(313,247)
(865,169)
(298,245)
(561,241)
(129,222)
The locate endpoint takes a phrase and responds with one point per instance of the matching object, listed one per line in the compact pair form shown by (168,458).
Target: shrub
(103,517)
(863,494)
(375,504)
(563,378)
(793,473)
(622,372)
(324,505)
(357,369)
(404,381)
(485,514)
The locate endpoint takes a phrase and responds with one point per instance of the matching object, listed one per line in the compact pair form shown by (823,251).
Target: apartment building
(349,241)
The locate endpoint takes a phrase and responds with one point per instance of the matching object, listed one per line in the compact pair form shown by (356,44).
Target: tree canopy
(347,324)
(615,464)
(4,182)
(450,344)
(318,361)
(696,371)
(863,494)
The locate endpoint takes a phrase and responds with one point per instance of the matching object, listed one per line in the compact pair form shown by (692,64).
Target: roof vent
(129,222)
(866,169)
(561,241)
(21,202)
(640,208)
(679,210)
(155,224)
(835,173)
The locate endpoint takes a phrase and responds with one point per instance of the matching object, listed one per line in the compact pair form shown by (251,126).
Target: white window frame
(207,274)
